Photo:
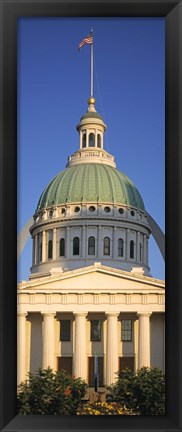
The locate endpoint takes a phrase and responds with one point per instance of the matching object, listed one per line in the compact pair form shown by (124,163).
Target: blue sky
(53,89)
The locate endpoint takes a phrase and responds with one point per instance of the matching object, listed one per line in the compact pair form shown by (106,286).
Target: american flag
(88,39)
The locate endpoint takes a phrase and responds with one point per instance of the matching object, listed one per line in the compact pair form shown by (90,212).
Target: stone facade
(80,296)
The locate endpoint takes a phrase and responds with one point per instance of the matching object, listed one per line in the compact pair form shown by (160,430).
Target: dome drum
(70,245)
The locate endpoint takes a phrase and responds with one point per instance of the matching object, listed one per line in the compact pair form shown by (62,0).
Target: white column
(87,138)
(102,140)
(83,242)
(80,358)
(95,138)
(136,344)
(33,249)
(54,244)
(115,243)
(43,246)
(147,256)
(36,249)
(68,242)
(21,347)
(144,339)
(81,135)
(48,340)
(100,252)
(145,249)
(127,244)
(111,348)
(138,247)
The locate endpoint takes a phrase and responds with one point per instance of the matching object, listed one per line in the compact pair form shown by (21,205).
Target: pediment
(94,278)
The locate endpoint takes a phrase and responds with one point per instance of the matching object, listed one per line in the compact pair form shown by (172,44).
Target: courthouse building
(90,291)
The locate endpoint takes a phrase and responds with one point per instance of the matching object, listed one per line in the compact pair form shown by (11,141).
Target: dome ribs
(91,182)
(110,181)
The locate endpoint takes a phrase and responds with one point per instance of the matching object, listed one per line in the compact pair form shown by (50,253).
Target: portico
(75,324)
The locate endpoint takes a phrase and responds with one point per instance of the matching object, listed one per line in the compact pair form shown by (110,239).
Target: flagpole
(92,68)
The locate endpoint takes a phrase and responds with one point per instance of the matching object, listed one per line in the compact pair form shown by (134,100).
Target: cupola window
(120,247)
(84,140)
(50,249)
(91,246)
(106,246)
(76,246)
(99,141)
(132,249)
(62,247)
(91,140)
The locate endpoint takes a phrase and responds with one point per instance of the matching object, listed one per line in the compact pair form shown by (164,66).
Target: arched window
(99,141)
(84,140)
(62,247)
(131,249)
(106,246)
(50,249)
(76,246)
(91,246)
(91,140)
(120,247)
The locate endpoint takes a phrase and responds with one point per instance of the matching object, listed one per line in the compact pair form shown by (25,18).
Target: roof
(90,114)
(90,182)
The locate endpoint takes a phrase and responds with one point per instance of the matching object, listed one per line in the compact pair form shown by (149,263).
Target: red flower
(67,391)
(73,376)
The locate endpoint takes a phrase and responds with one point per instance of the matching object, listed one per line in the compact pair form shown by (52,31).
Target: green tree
(50,393)
(143,392)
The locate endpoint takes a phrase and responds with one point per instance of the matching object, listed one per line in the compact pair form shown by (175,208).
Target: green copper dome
(90,182)
(90,115)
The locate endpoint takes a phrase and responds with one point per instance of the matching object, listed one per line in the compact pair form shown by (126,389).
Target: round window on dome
(132,213)
(91,208)
(63,210)
(121,210)
(51,213)
(76,209)
(107,209)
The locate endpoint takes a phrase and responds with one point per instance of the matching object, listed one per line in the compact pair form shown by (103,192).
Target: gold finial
(91,100)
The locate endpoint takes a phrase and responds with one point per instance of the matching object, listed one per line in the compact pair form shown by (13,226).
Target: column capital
(112,313)
(143,313)
(48,313)
(80,313)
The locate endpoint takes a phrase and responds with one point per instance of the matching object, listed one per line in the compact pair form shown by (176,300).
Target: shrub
(103,408)
(48,392)
(143,392)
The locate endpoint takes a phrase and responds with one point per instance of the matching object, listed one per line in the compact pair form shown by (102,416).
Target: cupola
(91,128)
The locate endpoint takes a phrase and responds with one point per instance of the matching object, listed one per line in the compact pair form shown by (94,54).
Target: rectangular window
(65,330)
(95,334)
(126,330)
